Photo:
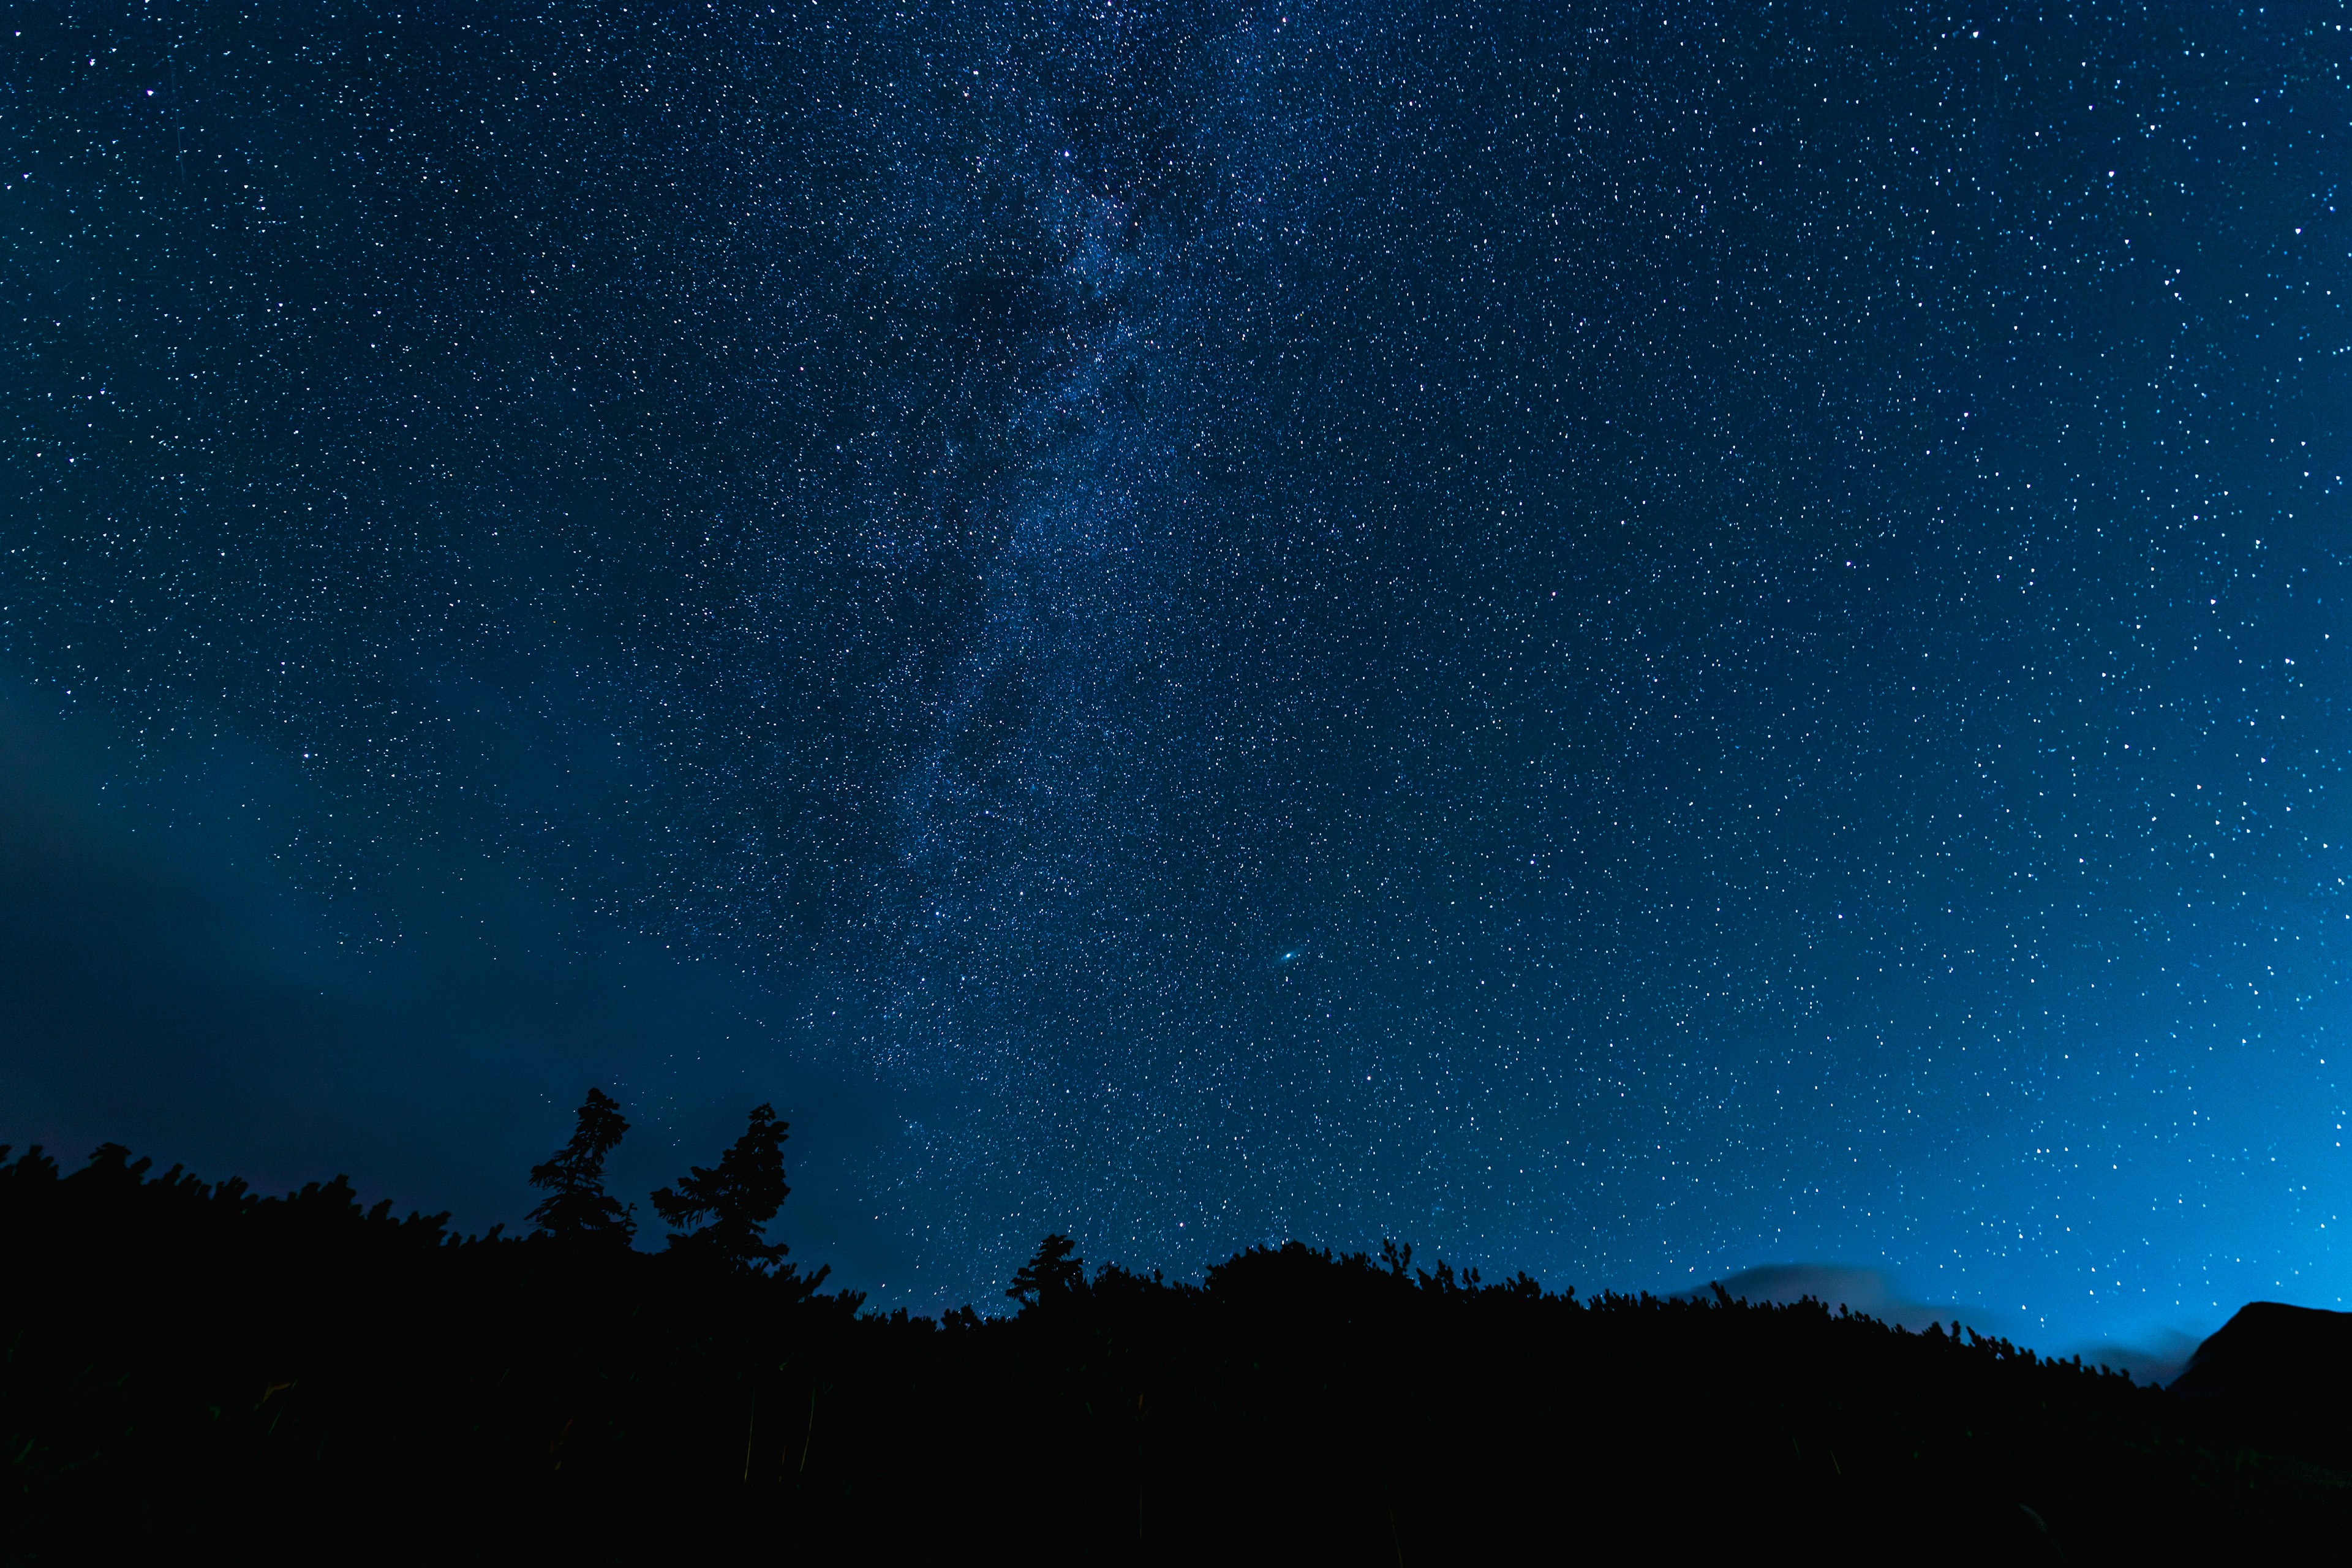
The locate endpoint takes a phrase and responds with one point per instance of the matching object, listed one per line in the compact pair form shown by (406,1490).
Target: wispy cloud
(165,984)
(2150,1355)
(1870,1292)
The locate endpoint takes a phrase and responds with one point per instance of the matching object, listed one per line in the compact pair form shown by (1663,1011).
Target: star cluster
(1626,640)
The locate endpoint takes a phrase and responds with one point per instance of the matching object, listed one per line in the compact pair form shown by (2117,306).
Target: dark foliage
(195,1366)
(1054,1273)
(722,1214)
(577,1208)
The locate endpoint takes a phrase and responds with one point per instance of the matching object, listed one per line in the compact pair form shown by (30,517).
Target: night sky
(1631,640)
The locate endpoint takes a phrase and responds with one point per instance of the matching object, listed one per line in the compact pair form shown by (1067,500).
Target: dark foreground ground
(186,1368)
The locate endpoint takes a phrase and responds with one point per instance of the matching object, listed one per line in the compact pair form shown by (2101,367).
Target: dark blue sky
(1626,640)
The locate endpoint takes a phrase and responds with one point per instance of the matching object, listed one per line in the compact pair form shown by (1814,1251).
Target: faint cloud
(2149,1356)
(1869,1291)
(2158,1356)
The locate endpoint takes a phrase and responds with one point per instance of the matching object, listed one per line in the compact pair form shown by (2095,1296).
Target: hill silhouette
(2277,1370)
(190,1364)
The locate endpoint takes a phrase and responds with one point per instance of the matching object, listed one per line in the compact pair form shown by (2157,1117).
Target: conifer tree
(577,1208)
(722,1214)
(1052,1274)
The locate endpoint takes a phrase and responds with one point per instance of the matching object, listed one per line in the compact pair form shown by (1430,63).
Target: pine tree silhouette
(723,1214)
(577,1207)
(1051,1274)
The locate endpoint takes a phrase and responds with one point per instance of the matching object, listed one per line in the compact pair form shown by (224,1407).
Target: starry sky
(1634,640)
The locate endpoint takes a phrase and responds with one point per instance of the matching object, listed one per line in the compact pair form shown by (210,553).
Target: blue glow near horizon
(1765,672)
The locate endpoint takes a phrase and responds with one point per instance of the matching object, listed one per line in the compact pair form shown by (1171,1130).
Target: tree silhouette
(192,1354)
(1051,1274)
(577,1207)
(722,1214)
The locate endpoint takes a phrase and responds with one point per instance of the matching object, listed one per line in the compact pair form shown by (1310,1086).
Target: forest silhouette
(190,1364)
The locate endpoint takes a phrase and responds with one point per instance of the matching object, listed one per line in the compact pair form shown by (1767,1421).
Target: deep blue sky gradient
(1626,640)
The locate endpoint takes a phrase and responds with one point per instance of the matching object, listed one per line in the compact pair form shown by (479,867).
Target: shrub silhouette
(179,1359)
(721,1213)
(577,1208)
